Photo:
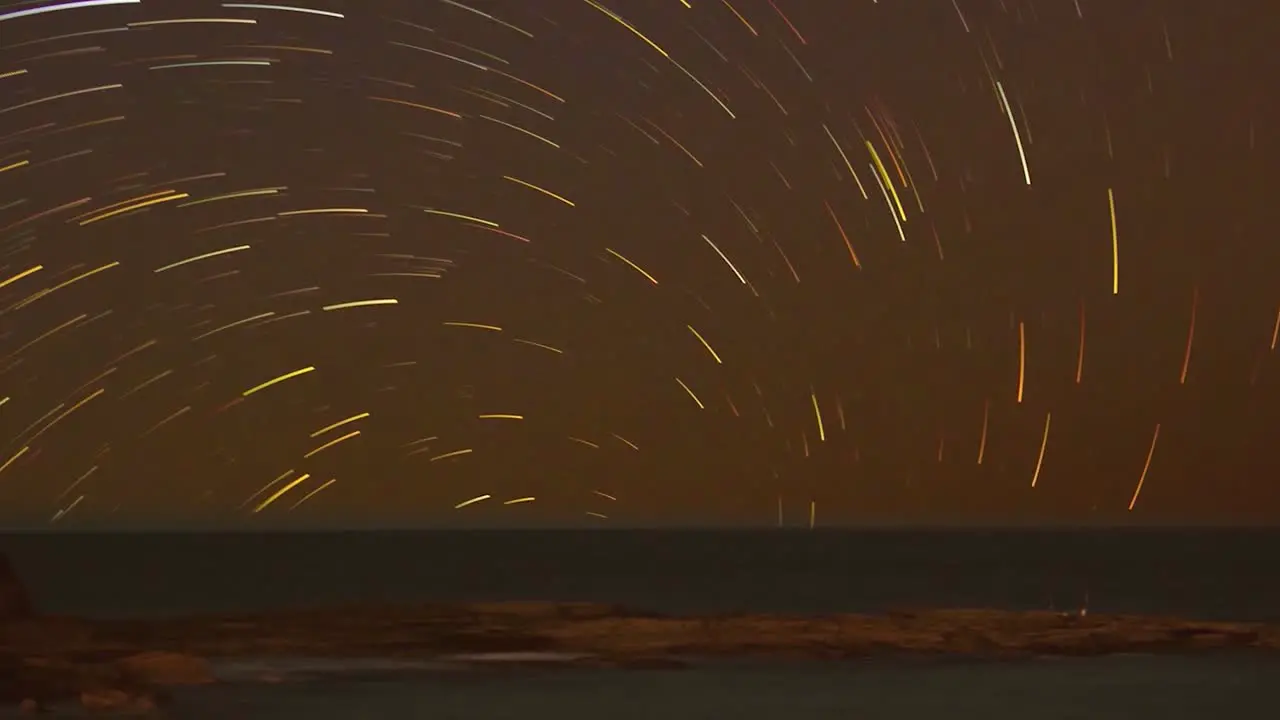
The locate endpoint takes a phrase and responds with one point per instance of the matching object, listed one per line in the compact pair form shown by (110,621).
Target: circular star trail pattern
(592,261)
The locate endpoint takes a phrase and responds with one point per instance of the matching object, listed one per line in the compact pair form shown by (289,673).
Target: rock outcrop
(135,682)
(165,669)
(15,604)
(47,660)
(38,682)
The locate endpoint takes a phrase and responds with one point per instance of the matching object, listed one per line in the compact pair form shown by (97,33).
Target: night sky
(654,261)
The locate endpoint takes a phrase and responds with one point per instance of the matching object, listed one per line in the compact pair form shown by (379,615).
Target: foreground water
(1128,688)
(1192,573)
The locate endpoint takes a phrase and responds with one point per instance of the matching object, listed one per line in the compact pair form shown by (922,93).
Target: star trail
(587,261)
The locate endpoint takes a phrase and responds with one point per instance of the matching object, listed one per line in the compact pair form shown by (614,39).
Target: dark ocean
(1218,574)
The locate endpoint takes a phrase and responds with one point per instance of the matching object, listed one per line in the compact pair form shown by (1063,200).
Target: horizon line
(904,527)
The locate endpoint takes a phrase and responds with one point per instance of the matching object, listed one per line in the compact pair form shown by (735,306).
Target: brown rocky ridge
(115,664)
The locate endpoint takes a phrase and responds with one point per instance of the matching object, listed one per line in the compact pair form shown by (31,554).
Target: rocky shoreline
(128,664)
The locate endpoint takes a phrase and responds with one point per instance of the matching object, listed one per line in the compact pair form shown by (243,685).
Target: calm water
(1219,574)
(1114,688)
(1195,573)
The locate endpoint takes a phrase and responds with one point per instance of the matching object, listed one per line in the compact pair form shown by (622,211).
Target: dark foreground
(110,664)
(138,655)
